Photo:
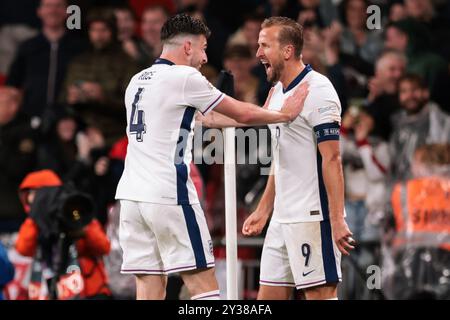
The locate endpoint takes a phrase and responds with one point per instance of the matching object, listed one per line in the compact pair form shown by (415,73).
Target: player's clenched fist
(343,237)
(254,224)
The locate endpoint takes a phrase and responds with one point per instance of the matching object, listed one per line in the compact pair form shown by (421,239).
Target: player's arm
(255,223)
(334,184)
(215,119)
(250,114)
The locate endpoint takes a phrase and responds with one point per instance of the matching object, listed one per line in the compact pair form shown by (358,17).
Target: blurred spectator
(429,14)
(248,35)
(80,158)
(149,46)
(358,44)
(96,80)
(35,240)
(17,157)
(219,33)
(319,13)
(420,122)
(285,8)
(417,255)
(397,12)
(6,269)
(40,63)
(321,50)
(382,101)
(139,6)
(365,158)
(126,28)
(17,24)
(239,60)
(413,39)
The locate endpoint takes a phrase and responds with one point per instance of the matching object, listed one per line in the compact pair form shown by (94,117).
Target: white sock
(332,299)
(210,295)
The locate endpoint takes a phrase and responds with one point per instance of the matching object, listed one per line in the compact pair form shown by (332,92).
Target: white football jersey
(161,102)
(300,194)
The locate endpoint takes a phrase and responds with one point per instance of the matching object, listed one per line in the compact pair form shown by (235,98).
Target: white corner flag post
(230,213)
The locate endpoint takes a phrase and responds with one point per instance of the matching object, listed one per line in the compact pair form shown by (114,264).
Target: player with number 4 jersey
(162,226)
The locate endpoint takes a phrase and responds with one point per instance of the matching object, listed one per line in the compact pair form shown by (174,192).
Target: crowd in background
(61,108)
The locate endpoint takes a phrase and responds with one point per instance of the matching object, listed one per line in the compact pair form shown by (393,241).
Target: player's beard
(276,69)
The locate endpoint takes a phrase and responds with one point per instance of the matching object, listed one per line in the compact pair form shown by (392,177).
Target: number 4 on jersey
(137,127)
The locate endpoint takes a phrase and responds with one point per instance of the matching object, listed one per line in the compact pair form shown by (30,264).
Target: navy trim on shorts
(194,236)
(328,258)
(180,166)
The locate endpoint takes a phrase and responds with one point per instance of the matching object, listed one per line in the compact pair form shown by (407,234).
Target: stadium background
(61,108)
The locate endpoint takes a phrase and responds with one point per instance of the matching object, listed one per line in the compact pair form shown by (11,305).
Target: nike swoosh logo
(305,274)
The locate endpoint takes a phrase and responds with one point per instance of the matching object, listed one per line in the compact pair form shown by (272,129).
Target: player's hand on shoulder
(293,105)
(342,236)
(254,224)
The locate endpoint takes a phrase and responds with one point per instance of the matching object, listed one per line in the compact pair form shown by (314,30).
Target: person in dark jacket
(17,157)
(40,63)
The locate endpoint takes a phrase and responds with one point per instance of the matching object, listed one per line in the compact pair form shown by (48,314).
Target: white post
(230,213)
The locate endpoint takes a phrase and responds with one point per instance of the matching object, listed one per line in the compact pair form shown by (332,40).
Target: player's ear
(288,51)
(187,47)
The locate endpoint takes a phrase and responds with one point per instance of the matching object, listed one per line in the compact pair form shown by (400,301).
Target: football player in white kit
(305,195)
(162,226)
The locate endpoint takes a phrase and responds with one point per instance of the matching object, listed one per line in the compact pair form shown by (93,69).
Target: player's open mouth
(267,66)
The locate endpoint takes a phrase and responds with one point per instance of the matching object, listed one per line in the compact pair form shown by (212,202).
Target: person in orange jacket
(91,246)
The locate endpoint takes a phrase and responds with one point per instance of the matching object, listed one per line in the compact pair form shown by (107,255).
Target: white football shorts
(300,255)
(163,239)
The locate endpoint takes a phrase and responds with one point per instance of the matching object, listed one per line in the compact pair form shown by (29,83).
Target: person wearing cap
(91,245)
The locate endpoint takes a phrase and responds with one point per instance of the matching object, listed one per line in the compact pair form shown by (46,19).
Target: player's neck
(174,57)
(291,71)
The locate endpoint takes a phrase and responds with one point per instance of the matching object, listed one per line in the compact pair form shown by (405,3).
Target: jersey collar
(163,61)
(299,78)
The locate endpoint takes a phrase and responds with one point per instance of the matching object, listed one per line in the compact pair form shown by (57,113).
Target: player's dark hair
(291,32)
(183,24)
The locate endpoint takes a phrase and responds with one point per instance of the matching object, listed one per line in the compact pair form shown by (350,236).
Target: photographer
(49,227)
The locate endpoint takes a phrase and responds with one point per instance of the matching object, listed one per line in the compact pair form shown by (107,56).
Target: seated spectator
(40,64)
(6,269)
(96,80)
(420,122)
(382,100)
(17,156)
(91,242)
(413,39)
